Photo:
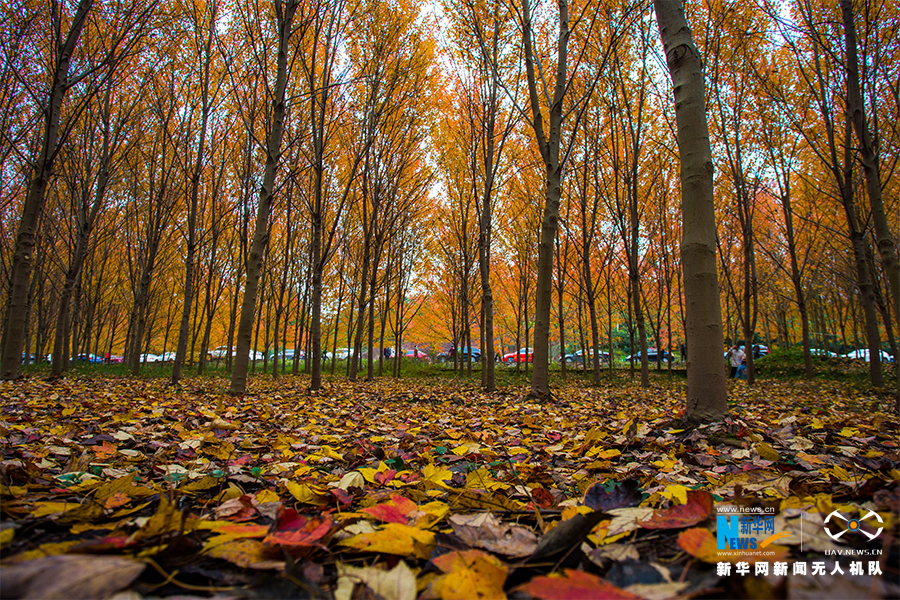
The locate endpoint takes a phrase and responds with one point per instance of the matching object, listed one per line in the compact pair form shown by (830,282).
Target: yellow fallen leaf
(471,574)
(394,538)
(267,496)
(306,493)
(6,536)
(436,475)
(767,452)
(676,492)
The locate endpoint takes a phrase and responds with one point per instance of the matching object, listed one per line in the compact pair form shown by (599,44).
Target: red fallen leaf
(576,585)
(341,496)
(396,510)
(385,476)
(698,508)
(298,531)
(103,544)
(241,460)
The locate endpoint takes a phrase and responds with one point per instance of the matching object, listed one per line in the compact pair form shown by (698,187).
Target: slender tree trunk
(706,384)
(887,248)
(23,257)
(184,328)
(550,153)
(285,16)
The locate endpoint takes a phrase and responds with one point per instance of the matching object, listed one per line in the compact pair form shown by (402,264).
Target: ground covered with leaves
(427,489)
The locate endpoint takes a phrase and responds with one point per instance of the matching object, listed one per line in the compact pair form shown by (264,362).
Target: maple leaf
(470,574)
(295,530)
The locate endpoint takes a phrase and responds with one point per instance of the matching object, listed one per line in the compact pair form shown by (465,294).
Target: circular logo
(852,525)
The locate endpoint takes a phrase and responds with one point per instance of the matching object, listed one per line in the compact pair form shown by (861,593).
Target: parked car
(577,357)
(222,352)
(343,353)
(287,354)
(653,356)
(521,355)
(88,358)
(148,358)
(462,352)
(820,352)
(416,355)
(167,357)
(115,359)
(863,354)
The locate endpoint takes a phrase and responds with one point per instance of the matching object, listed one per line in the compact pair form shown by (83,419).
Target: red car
(416,355)
(523,355)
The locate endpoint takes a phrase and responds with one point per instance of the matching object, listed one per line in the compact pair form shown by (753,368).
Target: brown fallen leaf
(69,576)
(698,508)
(486,531)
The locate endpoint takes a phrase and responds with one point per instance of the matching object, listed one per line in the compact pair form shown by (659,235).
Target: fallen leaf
(69,576)
(575,585)
(251,554)
(486,531)
(699,508)
(470,575)
(394,538)
(298,531)
(398,583)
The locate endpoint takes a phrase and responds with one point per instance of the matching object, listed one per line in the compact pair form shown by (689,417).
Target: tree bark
(23,257)
(884,238)
(184,327)
(549,144)
(285,16)
(706,384)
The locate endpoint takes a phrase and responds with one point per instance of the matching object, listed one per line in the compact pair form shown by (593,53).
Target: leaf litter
(423,489)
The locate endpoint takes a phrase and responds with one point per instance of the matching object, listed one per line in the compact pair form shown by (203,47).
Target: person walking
(736,356)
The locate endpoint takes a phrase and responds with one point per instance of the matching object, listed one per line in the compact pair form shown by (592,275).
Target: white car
(863,354)
(167,357)
(222,352)
(148,358)
(820,352)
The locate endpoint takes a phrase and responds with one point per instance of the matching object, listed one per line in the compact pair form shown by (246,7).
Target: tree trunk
(23,257)
(183,329)
(884,238)
(706,384)
(285,15)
